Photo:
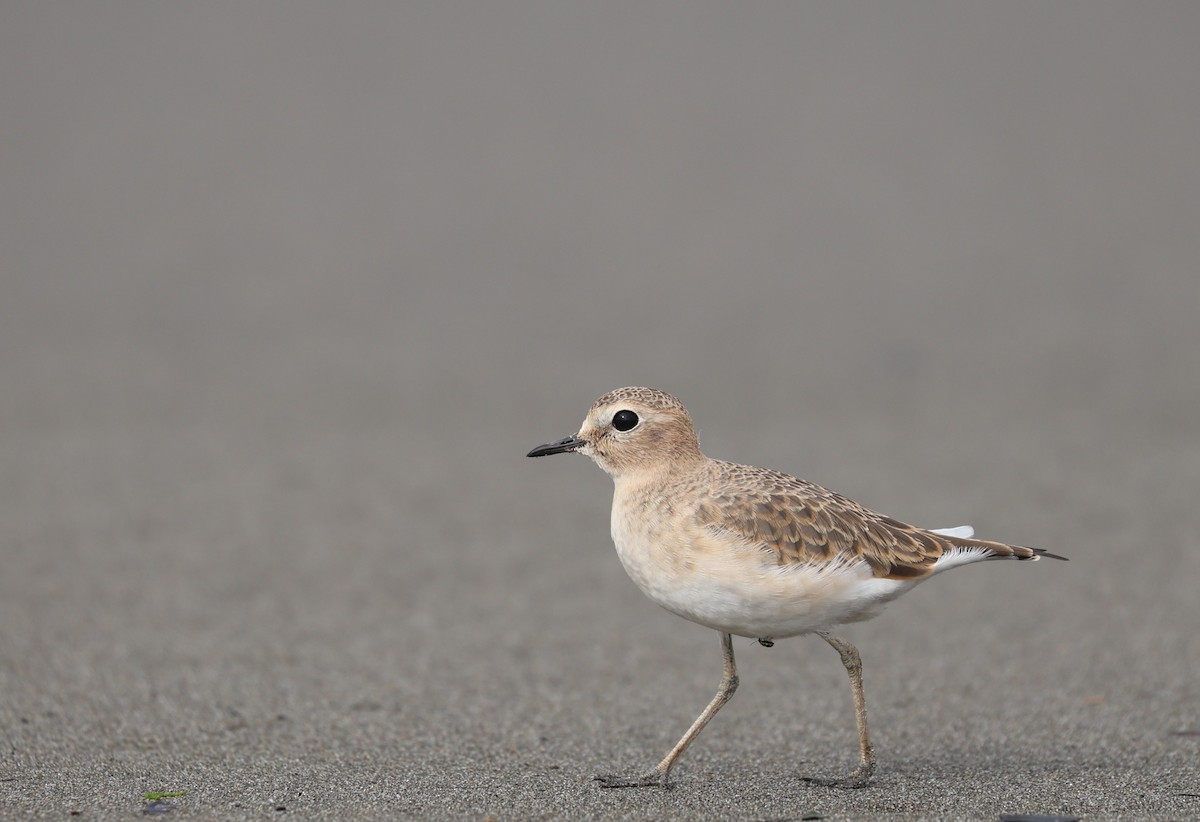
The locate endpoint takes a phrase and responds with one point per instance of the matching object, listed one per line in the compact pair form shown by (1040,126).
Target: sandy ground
(288,291)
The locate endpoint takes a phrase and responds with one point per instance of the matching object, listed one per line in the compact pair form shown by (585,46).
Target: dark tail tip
(1038,553)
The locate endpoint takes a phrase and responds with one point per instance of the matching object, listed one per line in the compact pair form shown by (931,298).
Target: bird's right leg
(659,776)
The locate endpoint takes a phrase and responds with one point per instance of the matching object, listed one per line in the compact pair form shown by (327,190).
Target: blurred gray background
(289,289)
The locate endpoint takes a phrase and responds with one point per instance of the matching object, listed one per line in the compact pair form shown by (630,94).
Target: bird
(752,552)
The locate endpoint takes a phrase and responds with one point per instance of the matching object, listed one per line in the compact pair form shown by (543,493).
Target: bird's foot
(655,777)
(858,778)
(766,642)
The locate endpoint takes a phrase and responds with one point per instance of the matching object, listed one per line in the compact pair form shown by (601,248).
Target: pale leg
(658,776)
(860,776)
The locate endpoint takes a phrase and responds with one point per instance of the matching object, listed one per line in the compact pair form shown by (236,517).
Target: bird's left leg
(860,776)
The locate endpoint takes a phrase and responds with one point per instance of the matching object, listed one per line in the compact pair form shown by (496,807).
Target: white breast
(736,587)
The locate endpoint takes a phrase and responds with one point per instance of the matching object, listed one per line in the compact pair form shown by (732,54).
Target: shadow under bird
(752,552)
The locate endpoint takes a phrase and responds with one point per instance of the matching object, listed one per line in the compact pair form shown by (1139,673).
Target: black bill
(563,446)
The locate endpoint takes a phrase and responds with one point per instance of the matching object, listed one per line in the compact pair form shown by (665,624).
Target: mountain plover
(750,551)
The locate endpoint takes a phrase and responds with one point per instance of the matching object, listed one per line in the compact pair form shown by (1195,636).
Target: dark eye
(624,420)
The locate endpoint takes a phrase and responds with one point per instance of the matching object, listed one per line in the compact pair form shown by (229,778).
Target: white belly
(741,589)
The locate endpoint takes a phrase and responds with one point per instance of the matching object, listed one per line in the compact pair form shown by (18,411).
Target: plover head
(632,429)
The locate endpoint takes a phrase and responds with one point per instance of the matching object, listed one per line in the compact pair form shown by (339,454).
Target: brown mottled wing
(802,522)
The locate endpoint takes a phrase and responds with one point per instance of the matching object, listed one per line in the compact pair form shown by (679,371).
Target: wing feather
(801,522)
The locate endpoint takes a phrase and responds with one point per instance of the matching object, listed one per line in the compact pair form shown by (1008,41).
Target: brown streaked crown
(646,397)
